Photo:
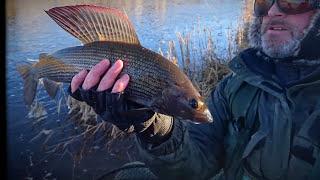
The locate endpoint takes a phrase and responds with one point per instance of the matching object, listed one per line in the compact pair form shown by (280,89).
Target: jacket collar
(257,69)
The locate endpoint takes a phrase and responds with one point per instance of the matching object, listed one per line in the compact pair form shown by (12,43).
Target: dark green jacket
(261,129)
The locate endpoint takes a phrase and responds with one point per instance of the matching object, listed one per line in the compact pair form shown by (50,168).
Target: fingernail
(126,77)
(84,71)
(118,65)
(106,60)
(119,61)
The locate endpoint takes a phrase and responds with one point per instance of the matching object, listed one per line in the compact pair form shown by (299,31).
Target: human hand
(100,89)
(109,75)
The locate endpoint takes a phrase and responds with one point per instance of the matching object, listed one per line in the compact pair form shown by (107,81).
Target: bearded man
(266,112)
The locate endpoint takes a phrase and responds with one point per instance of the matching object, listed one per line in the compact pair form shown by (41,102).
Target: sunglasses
(261,7)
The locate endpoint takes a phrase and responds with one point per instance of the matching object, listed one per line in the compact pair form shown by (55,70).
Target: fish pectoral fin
(90,23)
(51,87)
(30,82)
(139,109)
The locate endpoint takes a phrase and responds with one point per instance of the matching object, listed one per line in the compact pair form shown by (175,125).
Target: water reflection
(162,18)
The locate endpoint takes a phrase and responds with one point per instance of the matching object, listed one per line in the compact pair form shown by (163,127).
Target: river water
(30,32)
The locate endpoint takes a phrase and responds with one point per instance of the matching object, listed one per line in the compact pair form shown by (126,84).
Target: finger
(109,78)
(95,73)
(77,80)
(121,84)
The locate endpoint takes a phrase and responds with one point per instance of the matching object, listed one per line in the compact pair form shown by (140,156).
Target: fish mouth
(204,117)
(207,113)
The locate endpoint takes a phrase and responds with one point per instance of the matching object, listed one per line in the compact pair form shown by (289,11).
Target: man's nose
(275,11)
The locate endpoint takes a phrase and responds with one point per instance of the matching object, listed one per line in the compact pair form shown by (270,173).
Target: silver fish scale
(149,72)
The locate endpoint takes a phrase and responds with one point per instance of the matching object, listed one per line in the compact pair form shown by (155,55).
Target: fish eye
(194,104)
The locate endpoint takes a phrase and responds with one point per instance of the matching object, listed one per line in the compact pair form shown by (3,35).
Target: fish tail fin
(51,87)
(30,82)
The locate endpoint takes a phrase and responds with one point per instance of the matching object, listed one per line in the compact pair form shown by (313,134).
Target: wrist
(158,131)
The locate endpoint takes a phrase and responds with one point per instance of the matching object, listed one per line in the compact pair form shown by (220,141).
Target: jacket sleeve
(193,151)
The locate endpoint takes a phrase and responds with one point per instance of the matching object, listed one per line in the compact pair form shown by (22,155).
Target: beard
(274,49)
(280,49)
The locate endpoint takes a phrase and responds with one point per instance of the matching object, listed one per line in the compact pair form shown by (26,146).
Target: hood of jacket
(309,48)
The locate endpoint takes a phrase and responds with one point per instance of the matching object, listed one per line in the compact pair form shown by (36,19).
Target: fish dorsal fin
(90,23)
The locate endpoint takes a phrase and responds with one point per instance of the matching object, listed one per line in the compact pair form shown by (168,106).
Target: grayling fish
(107,33)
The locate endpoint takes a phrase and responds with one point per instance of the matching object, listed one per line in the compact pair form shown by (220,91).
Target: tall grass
(199,56)
(198,59)
(244,24)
